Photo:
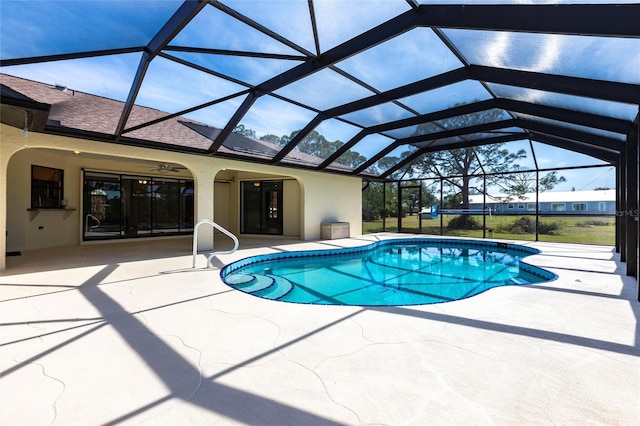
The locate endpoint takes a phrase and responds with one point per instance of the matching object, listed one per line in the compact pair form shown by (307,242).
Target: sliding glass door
(102,206)
(120,206)
(261,207)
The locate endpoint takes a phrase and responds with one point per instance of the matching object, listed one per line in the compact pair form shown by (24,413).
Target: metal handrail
(86,222)
(219,228)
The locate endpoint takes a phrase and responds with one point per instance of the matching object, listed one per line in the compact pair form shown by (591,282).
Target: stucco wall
(292,208)
(221,205)
(41,228)
(310,197)
(329,198)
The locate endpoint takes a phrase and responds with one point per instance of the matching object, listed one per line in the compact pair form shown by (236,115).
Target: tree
(386,163)
(372,201)
(241,129)
(549,181)
(351,159)
(519,183)
(460,166)
(317,145)
(273,139)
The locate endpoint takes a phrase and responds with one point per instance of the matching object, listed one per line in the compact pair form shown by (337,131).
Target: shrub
(548,227)
(523,225)
(464,222)
(370,216)
(592,222)
(527,225)
(502,228)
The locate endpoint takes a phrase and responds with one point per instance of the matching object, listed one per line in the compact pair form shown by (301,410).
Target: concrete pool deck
(129,333)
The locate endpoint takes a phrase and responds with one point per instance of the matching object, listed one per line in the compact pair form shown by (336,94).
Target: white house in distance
(601,202)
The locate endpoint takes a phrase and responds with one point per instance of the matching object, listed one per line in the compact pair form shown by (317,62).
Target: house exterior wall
(293,206)
(45,228)
(603,207)
(309,197)
(325,198)
(222,214)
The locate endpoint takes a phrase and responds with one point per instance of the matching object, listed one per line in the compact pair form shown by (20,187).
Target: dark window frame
(579,207)
(46,193)
(184,200)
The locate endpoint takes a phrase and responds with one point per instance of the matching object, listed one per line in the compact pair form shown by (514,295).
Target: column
(203,183)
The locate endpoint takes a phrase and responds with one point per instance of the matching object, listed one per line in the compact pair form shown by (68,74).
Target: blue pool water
(395,272)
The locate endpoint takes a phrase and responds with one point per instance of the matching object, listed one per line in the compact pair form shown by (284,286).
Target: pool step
(280,288)
(259,282)
(266,286)
(238,279)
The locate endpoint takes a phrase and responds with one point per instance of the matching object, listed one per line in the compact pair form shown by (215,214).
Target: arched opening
(259,204)
(61,197)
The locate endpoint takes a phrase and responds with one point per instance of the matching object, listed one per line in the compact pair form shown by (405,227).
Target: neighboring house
(61,185)
(561,203)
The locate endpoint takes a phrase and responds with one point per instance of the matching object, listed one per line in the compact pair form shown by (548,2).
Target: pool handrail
(236,243)
(86,222)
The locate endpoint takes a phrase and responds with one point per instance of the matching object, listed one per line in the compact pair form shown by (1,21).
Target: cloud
(334,130)
(54,27)
(324,89)
(214,29)
(172,87)
(372,144)
(290,19)
(109,77)
(340,20)
(273,116)
(217,115)
(414,55)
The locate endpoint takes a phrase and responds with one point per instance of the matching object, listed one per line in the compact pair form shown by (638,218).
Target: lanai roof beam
(185,13)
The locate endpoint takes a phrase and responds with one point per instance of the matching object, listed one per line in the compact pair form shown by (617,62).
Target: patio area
(130,333)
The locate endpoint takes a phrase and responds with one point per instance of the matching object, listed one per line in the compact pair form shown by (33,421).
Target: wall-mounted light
(76,152)
(142,181)
(256,184)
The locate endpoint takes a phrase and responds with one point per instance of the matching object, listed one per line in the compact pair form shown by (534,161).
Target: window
(520,206)
(531,206)
(124,206)
(46,187)
(579,207)
(509,205)
(558,207)
(602,206)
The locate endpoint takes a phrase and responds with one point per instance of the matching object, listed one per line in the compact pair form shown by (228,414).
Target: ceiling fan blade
(166,168)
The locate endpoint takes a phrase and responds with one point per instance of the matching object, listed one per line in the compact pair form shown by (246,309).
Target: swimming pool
(393,272)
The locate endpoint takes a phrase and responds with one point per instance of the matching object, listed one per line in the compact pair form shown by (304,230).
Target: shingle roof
(387,82)
(82,111)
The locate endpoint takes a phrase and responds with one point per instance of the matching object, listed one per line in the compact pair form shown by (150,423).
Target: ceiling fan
(164,168)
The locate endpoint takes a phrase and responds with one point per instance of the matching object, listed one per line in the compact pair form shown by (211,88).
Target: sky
(38,28)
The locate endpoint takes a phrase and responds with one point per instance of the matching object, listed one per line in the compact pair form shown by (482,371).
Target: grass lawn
(570,230)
